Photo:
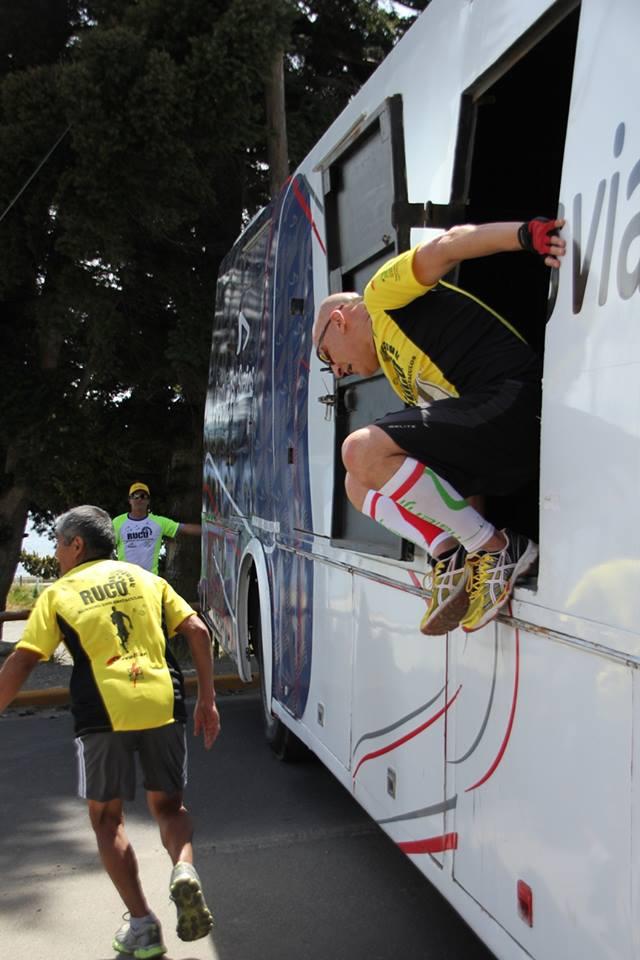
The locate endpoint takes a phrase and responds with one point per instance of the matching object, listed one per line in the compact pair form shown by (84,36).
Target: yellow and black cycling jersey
(114,618)
(440,341)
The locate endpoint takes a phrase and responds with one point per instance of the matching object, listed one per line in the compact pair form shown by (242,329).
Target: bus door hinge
(329,400)
(438,215)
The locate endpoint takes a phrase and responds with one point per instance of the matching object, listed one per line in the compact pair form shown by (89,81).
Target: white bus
(504,763)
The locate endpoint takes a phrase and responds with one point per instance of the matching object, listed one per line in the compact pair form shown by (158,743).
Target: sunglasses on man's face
(322,354)
(139,496)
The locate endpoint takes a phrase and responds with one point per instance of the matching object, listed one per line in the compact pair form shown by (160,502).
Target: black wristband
(524,237)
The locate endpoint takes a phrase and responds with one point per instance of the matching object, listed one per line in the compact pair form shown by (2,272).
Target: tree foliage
(37,566)
(108,258)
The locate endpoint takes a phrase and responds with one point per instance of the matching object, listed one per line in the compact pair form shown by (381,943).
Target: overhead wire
(35,173)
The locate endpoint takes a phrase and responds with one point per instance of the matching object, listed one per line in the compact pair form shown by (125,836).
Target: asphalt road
(293,868)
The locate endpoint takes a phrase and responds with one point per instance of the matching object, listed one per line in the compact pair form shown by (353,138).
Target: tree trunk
(14,510)
(14,501)
(277,147)
(183,553)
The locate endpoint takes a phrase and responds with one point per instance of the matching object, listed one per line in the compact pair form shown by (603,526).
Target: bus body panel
(591,413)
(505,761)
(544,814)
(282,473)
(400,704)
(329,705)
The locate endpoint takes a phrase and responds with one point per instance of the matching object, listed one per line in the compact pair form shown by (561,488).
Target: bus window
(363,179)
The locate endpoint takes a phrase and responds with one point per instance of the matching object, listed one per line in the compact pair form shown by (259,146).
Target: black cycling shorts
(486,442)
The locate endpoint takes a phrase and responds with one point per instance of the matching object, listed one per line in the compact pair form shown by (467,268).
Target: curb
(59,696)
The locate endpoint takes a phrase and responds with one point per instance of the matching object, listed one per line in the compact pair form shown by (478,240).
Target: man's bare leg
(176,831)
(117,854)
(372,459)
(174,822)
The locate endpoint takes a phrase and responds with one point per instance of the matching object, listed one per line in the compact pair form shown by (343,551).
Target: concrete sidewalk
(12,631)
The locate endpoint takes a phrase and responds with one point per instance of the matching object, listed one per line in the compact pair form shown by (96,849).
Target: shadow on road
(292,867)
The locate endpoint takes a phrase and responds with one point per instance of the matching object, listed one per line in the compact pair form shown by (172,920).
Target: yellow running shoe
(449,598)
(492,577)
(194,916)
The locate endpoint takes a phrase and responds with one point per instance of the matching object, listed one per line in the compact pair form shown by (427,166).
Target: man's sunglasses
(321,354)
(139,496)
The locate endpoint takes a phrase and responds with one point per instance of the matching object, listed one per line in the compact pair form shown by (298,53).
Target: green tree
(108,259)
(35,32)
(333,50)
(37,566)
(34,41)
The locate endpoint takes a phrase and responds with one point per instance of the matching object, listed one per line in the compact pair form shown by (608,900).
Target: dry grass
(24,597)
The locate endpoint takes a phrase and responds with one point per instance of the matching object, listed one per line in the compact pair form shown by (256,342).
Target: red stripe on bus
(494,766)
(307,212)
(448,841)
(407,736)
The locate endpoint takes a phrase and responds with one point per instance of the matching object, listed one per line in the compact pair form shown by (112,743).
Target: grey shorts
(107,762)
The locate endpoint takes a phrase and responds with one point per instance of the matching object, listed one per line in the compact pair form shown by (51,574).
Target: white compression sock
(391,515)
(428,497)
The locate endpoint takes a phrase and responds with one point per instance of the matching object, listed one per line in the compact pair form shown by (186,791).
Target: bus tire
(284,744)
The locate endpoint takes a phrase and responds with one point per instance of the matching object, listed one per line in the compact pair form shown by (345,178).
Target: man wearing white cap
(139,533)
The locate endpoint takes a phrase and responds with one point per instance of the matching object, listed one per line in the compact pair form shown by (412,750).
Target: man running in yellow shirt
(127,699)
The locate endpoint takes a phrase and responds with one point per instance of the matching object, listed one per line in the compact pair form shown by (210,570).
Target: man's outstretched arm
(433,260)
(192,529)
(15,671)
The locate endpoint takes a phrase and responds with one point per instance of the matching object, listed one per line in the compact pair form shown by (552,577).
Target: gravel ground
(51,673)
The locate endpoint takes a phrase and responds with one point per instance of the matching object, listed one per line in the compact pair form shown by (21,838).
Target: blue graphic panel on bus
(228,480)
(288,499)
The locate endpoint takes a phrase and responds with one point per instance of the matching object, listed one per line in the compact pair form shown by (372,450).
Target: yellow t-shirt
(440,341)
(114,618)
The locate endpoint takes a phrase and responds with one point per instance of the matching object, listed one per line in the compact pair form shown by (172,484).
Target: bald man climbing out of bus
(471,427)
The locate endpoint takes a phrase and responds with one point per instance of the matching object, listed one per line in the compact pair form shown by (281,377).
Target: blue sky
(34,543)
